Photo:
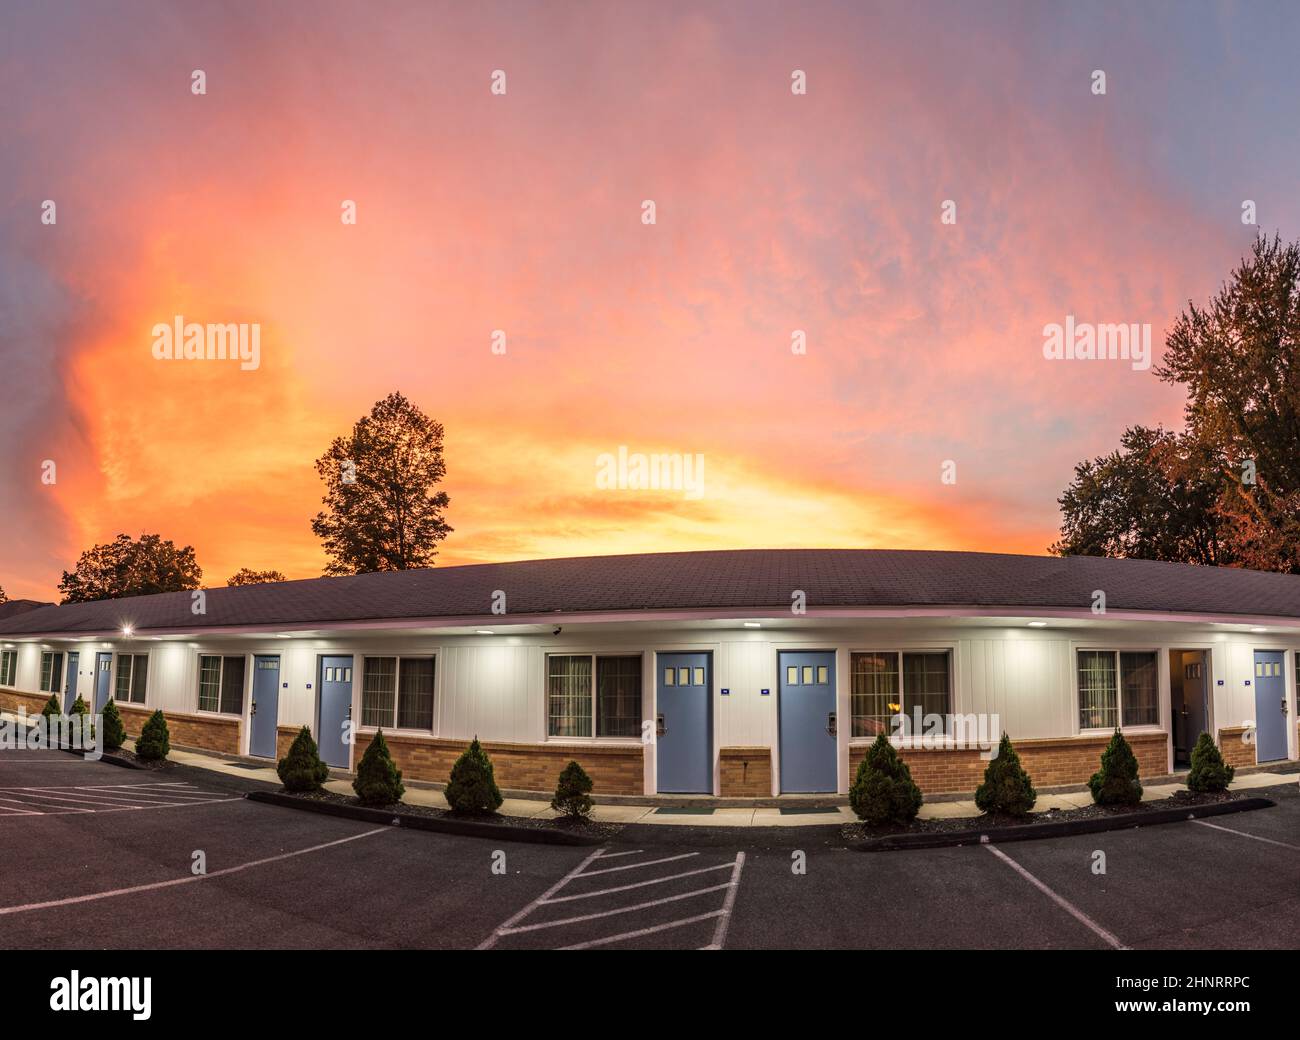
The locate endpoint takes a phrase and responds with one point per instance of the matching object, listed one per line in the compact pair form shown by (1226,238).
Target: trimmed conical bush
(80,725)
(1116,782)
(379,781)
(301,769)
(52,708)
(1006,788)
(114,734)
(573,792)
(154,742)
(1209,771)
(472,787)
(883,791)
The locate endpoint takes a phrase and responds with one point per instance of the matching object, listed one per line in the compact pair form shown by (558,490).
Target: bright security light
(483,632)
(1038,624)
(752,624)
(127,630)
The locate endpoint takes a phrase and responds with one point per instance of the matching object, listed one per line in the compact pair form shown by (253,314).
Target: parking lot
(102,857)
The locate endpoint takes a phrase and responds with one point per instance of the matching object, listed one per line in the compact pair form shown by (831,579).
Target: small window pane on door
(1259,667)
(807,674)
(823,674)
(699,677)
(792,675)
(670,676)
(683,677)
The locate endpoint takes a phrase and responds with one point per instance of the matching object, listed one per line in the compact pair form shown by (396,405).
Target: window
(51,672)
(8,667)
(1117,688)
(582,686)
(397,692)
(221,684)
(877,677)
(132,675)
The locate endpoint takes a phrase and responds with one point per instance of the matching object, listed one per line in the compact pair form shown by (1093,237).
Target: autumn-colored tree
(126,567)
(382,510)
(248,576)
(1226,490)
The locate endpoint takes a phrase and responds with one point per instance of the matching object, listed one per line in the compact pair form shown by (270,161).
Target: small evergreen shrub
(1006,788)
(114,735)
(883,791)
(379,781)
(573,792)
(154,742)
(301,769)
(80,722)
(1116,782)
(52,708)
(472,787)
(1209,771)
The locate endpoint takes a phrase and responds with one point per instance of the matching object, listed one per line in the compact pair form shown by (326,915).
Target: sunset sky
(522,212)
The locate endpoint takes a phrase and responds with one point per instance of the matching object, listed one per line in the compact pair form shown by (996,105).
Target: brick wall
(194,731)
(522,767)
(1049,763)
(746,772)
(1236,752)
(32,703)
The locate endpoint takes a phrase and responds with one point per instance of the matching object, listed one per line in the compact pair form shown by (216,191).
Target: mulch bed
(586,827)
(1182,799)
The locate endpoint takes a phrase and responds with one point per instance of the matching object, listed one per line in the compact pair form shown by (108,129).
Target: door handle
(660,728)
(254,708)
(1284,708)
(830,724)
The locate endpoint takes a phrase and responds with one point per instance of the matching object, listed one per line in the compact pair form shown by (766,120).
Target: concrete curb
(440,825)
(108,757)
(1063,829)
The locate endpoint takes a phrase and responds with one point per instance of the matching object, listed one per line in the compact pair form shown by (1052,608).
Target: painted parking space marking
(1059,900)
(57,801)
(1243,834)
(188,878)
(640,917)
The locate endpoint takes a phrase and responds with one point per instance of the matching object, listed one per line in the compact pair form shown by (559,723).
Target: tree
(154,742)
(1239,360)
(1226,490)
(1208,772)
(301,769)
(1006,787)
(883,791)
(472,787)
(1116,782)
(379,781)
(124,567)
(1153,499)
(114,734)
(382,512)
(573,792)
(246,576)
(3,597)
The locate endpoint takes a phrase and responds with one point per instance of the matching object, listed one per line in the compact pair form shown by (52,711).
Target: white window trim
(915,741)
(148,676)
(40,674)
(593,739)
(1161,694)
(360,694)
(10,685)
(198,684)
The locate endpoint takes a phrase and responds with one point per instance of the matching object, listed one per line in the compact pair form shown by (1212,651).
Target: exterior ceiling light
(1259,629)
(1038,624)
(752,624)
(483,632)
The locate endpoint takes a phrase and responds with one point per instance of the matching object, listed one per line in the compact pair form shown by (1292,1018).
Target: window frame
(1117,652)
(59,686)
(366,727)
(221,678)
(9,668)
(594,656)
(899,652)
(117,666)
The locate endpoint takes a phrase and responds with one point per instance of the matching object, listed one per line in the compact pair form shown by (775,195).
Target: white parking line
(639,884)
(1060,901)
(1243,834)
(189,878)
(636,866)
(619,910)
(720,934)
(500,930)
(642,931)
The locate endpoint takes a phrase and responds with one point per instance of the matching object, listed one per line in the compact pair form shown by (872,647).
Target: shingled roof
(754,580)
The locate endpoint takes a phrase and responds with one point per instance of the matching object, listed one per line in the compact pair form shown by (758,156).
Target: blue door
(70,684)
(103,671)
(334,709)
(266,706)
(809,752)
(1270,706)
(684,724)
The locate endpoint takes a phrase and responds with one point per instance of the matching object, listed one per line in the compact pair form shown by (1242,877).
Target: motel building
(736,674)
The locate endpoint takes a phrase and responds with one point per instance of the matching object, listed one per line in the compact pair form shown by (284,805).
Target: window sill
(395,732)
